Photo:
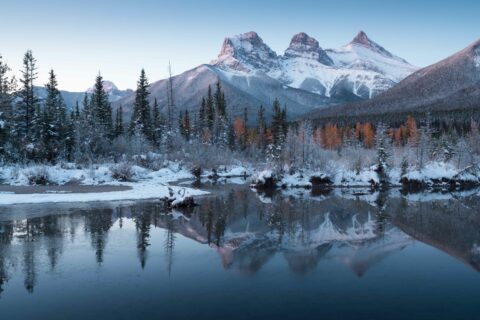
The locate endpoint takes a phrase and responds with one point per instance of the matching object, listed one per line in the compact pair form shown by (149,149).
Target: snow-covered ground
(145,184)
(431,174)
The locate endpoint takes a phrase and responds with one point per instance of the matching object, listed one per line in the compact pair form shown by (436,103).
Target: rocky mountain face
(359,69)
(304,78)
(453,83)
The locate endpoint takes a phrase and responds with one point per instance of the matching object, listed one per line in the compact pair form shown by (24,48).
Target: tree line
(44,130)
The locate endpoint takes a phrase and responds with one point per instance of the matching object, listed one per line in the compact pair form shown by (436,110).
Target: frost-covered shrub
(38,176)
(122,172)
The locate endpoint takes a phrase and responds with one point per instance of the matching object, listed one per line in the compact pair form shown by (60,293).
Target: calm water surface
(240,255)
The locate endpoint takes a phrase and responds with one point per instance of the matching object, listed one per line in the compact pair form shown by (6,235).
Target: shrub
(38,176)
(122,172)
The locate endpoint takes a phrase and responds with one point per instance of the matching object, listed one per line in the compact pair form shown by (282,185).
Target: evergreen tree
(156,122)
(25,109)
(277,125)
(76,115)
(202,114)
(209,108)
(382,153)
(245,129)
(223,132)
(69,135)
(101,107)
(29,100)
(261,128)
(186,125)
(54,120)
(6,104)
(118,128)
(140,123)
(220,104)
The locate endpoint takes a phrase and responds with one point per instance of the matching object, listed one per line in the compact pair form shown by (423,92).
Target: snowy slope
(362,67)
(450,84)
(304,78)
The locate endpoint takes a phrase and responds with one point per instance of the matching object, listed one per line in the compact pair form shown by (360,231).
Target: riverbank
(68,183)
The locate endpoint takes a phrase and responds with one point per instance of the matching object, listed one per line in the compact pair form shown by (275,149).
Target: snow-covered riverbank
(435,175)
(143,184)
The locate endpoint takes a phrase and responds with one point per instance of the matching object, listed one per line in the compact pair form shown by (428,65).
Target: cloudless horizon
(80,38)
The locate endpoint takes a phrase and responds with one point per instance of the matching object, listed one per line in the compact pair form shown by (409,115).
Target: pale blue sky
(79,38)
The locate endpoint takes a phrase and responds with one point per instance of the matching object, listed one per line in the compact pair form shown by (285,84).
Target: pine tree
(220,104)
(245,129)
(76,115)
(223,132)
(186,125)
(140,123)
(6,105)
(156,122)
(24,111)
(69,135)
(202,114)
(180,123)
(118,128)
(382,153)
(54,120)
(29,100)
(277,125)
(261,128)
(101,107)
(209,108)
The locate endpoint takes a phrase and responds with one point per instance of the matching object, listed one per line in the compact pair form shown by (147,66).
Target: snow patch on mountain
(246,52)
(361,67)
(359,57)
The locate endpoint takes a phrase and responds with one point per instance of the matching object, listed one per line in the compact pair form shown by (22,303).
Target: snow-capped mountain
(362,67)
(304,78)
(112,90)
(453,83)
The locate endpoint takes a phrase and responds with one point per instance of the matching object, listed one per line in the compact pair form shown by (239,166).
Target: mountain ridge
(451,83)
(305,77)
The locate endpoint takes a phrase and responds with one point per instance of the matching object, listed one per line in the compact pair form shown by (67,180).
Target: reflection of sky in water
(235,256)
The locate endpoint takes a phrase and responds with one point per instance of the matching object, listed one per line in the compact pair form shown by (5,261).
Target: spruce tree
(223,136)
(118,128)
(202,114)
(76,115)
(261,128)
(156,122)
(101,107)
(186,125)
(219,98)
(209,108)
(245,128)
(277,123)
(25,109)
(6,104)
(382,153)
(69,135)
(29,100)
(140,122)
(54,120)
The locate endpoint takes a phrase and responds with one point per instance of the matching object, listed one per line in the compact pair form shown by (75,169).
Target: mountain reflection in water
(357,231)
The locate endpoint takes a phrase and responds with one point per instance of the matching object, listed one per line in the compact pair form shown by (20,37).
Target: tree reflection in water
(247,230)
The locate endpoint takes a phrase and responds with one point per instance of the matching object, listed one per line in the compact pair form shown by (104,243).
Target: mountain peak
(302,45)
(303,40)
(108,87)
(245,52)
(363,39)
